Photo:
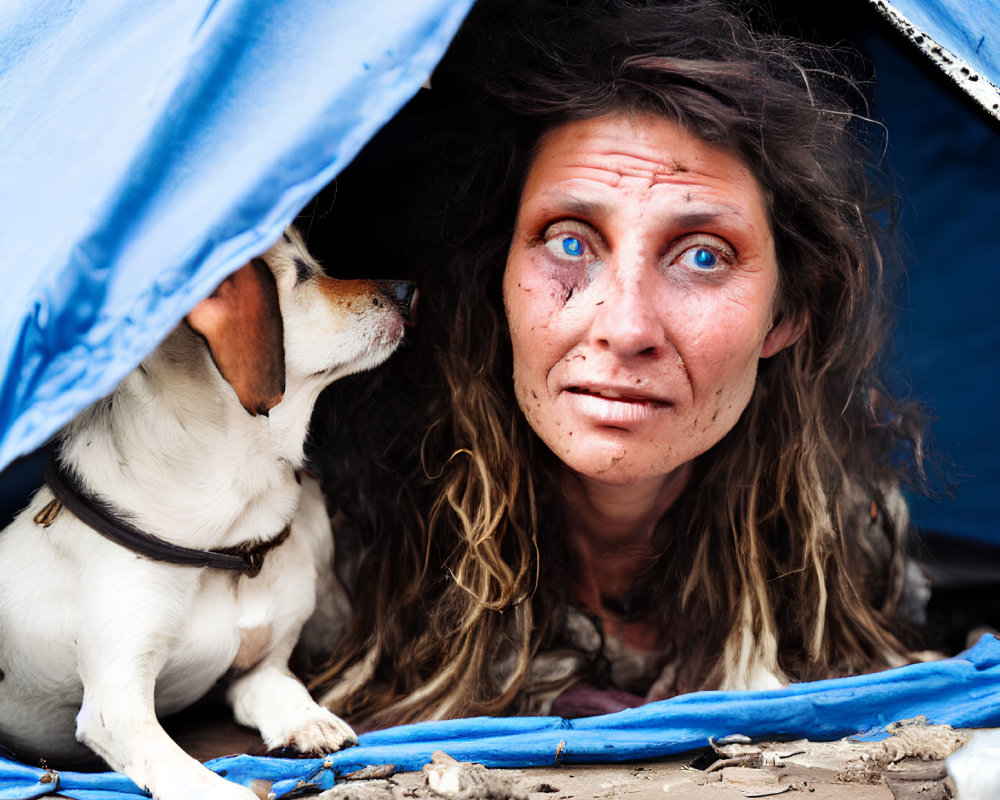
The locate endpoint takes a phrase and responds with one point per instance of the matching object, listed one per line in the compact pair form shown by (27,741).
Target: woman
(655,456)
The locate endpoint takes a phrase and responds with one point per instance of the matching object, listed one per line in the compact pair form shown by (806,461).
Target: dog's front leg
(118,722)
(268,697)
(275,702)
(118,663)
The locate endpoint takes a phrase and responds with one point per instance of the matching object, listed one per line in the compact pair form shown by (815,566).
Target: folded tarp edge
(971,80)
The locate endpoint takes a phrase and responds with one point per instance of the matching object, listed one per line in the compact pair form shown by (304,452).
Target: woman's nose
(627,320)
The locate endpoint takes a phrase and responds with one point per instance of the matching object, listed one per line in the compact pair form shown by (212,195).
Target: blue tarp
(150,147)
(962,692)
(947,345)
(948,158)
(960,36)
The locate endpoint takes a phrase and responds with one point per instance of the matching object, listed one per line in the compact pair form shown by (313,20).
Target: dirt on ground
(908,765)
(817,770)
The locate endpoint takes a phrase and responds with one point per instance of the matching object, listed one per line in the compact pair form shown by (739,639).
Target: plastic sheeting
(962,691)
(961,36)
(946,153)
(150,147)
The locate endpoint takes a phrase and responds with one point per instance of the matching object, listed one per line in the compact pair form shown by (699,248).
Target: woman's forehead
(595,161)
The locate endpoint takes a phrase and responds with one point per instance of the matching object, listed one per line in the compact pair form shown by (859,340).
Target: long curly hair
(765,559)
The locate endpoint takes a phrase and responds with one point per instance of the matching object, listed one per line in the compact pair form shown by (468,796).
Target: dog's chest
(254,643)
(225,629)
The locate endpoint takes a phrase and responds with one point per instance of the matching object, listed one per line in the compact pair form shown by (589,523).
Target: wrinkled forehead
(645,155)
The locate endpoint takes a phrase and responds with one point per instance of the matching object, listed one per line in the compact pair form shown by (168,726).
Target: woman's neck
(610,517)
(610,531)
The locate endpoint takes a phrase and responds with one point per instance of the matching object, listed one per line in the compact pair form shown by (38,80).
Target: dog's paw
(321,732)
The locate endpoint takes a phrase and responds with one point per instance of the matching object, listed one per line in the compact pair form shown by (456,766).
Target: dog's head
(280,316)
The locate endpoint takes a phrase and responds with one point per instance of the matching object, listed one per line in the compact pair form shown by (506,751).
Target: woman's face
(640,292)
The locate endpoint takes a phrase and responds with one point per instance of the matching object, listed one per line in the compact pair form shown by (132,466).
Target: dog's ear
(241,321)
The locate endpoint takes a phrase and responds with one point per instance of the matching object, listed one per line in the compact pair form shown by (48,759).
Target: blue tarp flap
(960,36)
(962,691)
(947,345)
(150,147)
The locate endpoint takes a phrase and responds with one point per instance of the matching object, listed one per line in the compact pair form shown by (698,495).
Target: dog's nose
(403,295)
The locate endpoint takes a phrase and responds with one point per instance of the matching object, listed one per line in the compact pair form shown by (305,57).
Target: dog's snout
(403,295)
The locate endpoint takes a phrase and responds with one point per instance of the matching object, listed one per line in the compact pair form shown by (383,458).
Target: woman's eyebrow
(707,214)
(573,205)
(697,215)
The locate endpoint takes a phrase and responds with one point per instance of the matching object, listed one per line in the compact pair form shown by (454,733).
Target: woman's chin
(617,466)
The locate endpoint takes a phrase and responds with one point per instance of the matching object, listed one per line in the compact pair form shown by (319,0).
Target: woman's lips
(619,395)
(615,407)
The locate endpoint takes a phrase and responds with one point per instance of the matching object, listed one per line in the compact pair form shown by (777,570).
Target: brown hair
(764,558)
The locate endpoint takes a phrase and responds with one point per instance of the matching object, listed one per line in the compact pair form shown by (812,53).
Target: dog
(176,540)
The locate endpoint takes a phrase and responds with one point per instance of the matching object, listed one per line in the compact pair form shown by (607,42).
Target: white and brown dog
(175,542)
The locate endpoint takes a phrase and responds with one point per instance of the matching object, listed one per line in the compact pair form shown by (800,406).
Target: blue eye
(705,254)
(704,258)
(570,243)
(572,246)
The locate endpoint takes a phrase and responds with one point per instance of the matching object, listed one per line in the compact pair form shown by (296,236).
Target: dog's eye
(302,271)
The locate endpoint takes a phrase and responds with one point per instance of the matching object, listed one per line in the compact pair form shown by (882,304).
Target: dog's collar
(99,515)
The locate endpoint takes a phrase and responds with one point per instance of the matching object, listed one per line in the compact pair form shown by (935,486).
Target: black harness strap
(103,518)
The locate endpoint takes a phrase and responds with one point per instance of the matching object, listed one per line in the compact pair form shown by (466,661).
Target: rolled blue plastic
(963,692)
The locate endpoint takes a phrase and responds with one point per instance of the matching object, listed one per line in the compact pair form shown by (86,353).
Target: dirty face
(640,292)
